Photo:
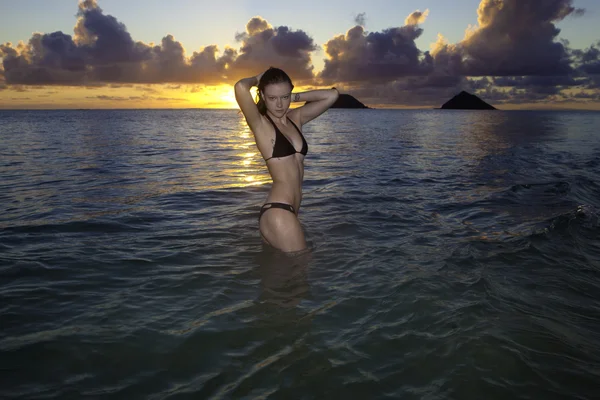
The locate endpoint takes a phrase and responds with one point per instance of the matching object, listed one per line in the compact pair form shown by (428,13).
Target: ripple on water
(451,257)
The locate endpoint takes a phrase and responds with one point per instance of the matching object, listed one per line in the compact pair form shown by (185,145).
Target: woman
(278,135)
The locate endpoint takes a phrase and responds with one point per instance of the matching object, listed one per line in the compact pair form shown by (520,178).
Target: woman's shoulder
(294,115)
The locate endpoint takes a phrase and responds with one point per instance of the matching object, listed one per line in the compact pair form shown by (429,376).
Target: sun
(222,96)
(228,98)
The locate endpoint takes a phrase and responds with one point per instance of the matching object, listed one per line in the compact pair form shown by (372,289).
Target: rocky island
(466,101)
(347,101)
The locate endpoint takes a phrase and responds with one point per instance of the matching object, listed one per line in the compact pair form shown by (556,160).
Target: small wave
(583,216)
(551,188)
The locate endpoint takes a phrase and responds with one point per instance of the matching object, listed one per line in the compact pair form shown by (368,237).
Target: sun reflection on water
(248,169)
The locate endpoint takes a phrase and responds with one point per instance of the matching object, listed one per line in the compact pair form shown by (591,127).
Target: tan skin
(281,228)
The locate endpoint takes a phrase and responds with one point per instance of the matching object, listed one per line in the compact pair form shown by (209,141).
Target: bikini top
(283,147)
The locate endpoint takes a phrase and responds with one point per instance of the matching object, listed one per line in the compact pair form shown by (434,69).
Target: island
(347,101)
(466,101)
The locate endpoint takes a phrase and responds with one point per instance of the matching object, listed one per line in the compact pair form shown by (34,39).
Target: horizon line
(549,108)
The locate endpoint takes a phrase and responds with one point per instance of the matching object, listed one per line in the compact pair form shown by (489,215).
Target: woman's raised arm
(245,101)
(317,102)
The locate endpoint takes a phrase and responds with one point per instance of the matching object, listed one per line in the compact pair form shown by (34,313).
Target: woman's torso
(287,170)
(287,174)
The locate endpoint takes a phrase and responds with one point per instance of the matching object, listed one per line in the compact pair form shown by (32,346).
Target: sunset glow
(110,54)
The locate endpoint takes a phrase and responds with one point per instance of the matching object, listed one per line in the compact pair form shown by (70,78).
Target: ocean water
(454,255)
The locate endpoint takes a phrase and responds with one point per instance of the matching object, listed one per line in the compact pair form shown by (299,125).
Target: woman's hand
(258,77)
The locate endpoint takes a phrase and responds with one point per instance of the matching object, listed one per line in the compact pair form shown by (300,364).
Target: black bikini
(283,206)
(283,148)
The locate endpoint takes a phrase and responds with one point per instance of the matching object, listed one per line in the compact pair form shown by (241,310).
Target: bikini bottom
(283,206)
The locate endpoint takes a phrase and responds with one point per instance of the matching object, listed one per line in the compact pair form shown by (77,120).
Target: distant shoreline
(237,109)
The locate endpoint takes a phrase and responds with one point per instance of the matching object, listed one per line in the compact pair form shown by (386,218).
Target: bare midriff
(287,174)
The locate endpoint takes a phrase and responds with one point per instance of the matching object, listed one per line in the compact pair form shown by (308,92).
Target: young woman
(278,135)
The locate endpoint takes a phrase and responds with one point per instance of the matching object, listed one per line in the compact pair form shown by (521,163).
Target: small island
(466,101)
(347,101)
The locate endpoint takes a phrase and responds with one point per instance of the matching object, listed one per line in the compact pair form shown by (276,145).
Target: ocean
(453,255)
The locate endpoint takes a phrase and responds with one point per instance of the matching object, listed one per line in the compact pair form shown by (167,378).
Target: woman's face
(278,97)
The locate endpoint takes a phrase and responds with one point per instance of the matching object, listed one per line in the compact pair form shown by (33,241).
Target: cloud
(103,51)
(360,19)
(361,56)
(147,89)
(263,45)
(108,98)
(416,18)
(515,44)
(513,38)
(514,50)
(18,88)
(593,82)
(104,39)
(588,60)
(541,85)
(134,98)
(528,81)
(515,95)
(594,96)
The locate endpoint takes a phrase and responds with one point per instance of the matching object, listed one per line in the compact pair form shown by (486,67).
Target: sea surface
(453,255)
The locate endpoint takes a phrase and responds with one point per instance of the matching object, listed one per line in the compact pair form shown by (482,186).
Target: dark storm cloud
(441,81)
(262,46)
(498,97)
(521,96)
(526,96)
(515,42)
(167,62)
(360,56)
(480,84)
(585,96)
(588,60)
(538,84)
(514,38)
(529,81)
(593,82)
(104,39)
(103,51)
(57,58)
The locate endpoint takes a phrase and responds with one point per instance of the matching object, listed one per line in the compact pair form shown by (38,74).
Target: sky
(514,54)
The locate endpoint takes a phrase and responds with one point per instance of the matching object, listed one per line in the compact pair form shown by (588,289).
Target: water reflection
(247,166)
(283,276)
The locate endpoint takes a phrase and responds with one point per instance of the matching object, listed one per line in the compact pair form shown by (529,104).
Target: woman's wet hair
(272,75)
